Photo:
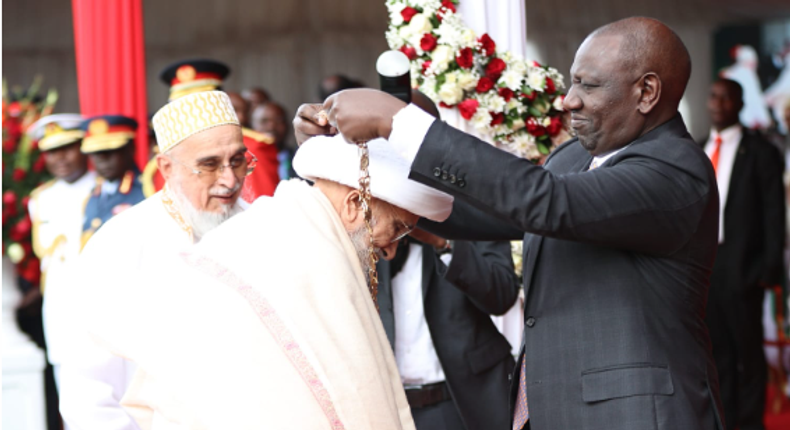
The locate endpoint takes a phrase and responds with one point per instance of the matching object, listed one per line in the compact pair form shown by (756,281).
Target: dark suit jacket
(458,300)
(750,257)
(616,272)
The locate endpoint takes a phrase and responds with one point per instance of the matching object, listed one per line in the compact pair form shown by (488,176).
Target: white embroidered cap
(191,114)
(333,159)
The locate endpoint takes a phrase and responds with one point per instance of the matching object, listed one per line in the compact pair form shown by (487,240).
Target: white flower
(468,38)
(450,92)
(546,121)
(15,252)
(523,144)
(481,120)
(428,88)
(513,104)
(518,124)
(536,79)
(557,104)
(405,32)
(451,31)
(395,10)
(512,79)
(441,57)
(542,107)
(393,38)
(467,81)
(518,65)
(493,102)
(420,24)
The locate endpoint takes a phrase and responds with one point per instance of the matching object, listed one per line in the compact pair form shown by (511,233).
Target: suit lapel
(533,243)
(738,165)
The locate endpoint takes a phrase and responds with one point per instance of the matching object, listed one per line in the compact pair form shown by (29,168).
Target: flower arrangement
(23,170)
(515,103)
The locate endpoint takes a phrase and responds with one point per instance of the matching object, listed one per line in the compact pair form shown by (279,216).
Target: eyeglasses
(241,166)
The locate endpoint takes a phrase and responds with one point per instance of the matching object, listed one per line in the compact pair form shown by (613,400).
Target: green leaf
(543,149)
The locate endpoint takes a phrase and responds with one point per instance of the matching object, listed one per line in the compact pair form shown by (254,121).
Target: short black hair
(735,89)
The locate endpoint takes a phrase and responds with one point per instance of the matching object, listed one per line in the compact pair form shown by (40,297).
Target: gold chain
(365,201)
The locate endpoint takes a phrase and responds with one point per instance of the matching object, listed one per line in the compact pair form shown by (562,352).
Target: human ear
(165,165)
(351,210)
(649,92)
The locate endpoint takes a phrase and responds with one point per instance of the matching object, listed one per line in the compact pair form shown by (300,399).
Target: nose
(572,101)
(389,251)
(227,177)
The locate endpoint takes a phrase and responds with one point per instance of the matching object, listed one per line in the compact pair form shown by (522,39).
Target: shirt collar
(730,133)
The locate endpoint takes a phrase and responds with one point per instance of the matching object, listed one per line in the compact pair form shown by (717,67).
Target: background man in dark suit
(617,259)
(436,311)
(751,239)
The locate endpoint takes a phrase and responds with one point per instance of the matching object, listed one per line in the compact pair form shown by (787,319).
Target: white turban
(333,159)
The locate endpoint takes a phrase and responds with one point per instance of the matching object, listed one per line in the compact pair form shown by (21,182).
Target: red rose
(9,212)
(447,4)
(555,127)
(30,270)
(25,201)
(468,108)
(488,47)
(428,42)
(39,164)
(536,64)
(494,68)
(9,198)
(425,66)
(445,105)
(9,145)
(465,58)
(484,84)
(550,87)
(409,51)
(534,128)
(20,230)
(506,93)
(408,13)
(497,118)
(18,174)
(531,96)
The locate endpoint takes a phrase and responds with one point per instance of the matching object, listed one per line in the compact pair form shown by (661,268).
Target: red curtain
(110,49)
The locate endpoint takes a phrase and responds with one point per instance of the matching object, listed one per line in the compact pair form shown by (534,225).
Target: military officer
(109,143)
(56,212)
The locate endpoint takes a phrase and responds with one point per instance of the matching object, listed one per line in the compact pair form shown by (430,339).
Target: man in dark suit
(617,259)
(749,259)
(452,359)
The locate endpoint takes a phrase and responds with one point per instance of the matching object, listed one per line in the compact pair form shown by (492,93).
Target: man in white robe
(286,336)
(204,163)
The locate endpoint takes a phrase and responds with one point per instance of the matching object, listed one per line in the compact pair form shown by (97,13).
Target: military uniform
(109,198)
(190,76)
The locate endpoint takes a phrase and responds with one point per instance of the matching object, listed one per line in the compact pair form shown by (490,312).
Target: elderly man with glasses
(204,162)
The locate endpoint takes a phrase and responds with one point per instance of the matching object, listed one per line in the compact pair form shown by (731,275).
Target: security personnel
(190,76)
(56,211)
(109,142)
(56,207)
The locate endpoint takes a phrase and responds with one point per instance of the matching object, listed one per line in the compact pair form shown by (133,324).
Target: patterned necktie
(714,157)
(521,415)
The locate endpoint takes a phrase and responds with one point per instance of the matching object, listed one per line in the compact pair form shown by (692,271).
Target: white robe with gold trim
(92,380)
(266,323)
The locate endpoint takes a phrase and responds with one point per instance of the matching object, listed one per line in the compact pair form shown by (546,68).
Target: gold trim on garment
(172,210)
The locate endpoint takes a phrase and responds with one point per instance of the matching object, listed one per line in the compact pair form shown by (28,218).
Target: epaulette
(36,191)
(257,136)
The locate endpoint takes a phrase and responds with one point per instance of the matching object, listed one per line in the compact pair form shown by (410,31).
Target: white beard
(203,221)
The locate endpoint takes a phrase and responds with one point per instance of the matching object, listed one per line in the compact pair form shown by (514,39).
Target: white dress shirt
(415,354)
(730,140)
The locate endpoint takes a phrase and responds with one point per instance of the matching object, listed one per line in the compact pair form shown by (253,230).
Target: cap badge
(98,127)
(186,73)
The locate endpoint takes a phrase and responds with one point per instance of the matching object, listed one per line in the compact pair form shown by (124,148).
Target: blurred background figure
(256,96)
(109,143)
(334,83)
(755,112)
(242,108)
(749,257)
(271,119)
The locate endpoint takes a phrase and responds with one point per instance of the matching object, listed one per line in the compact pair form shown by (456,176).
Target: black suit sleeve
(484,272)
(773,210)
(469,223)
(642,203)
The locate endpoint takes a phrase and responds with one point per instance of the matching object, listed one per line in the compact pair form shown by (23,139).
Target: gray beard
(359,238)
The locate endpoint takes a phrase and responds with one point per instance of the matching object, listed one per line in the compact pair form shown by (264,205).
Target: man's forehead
(597,52)
(217,141)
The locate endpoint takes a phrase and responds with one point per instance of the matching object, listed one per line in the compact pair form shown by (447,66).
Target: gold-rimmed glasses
(241,166)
